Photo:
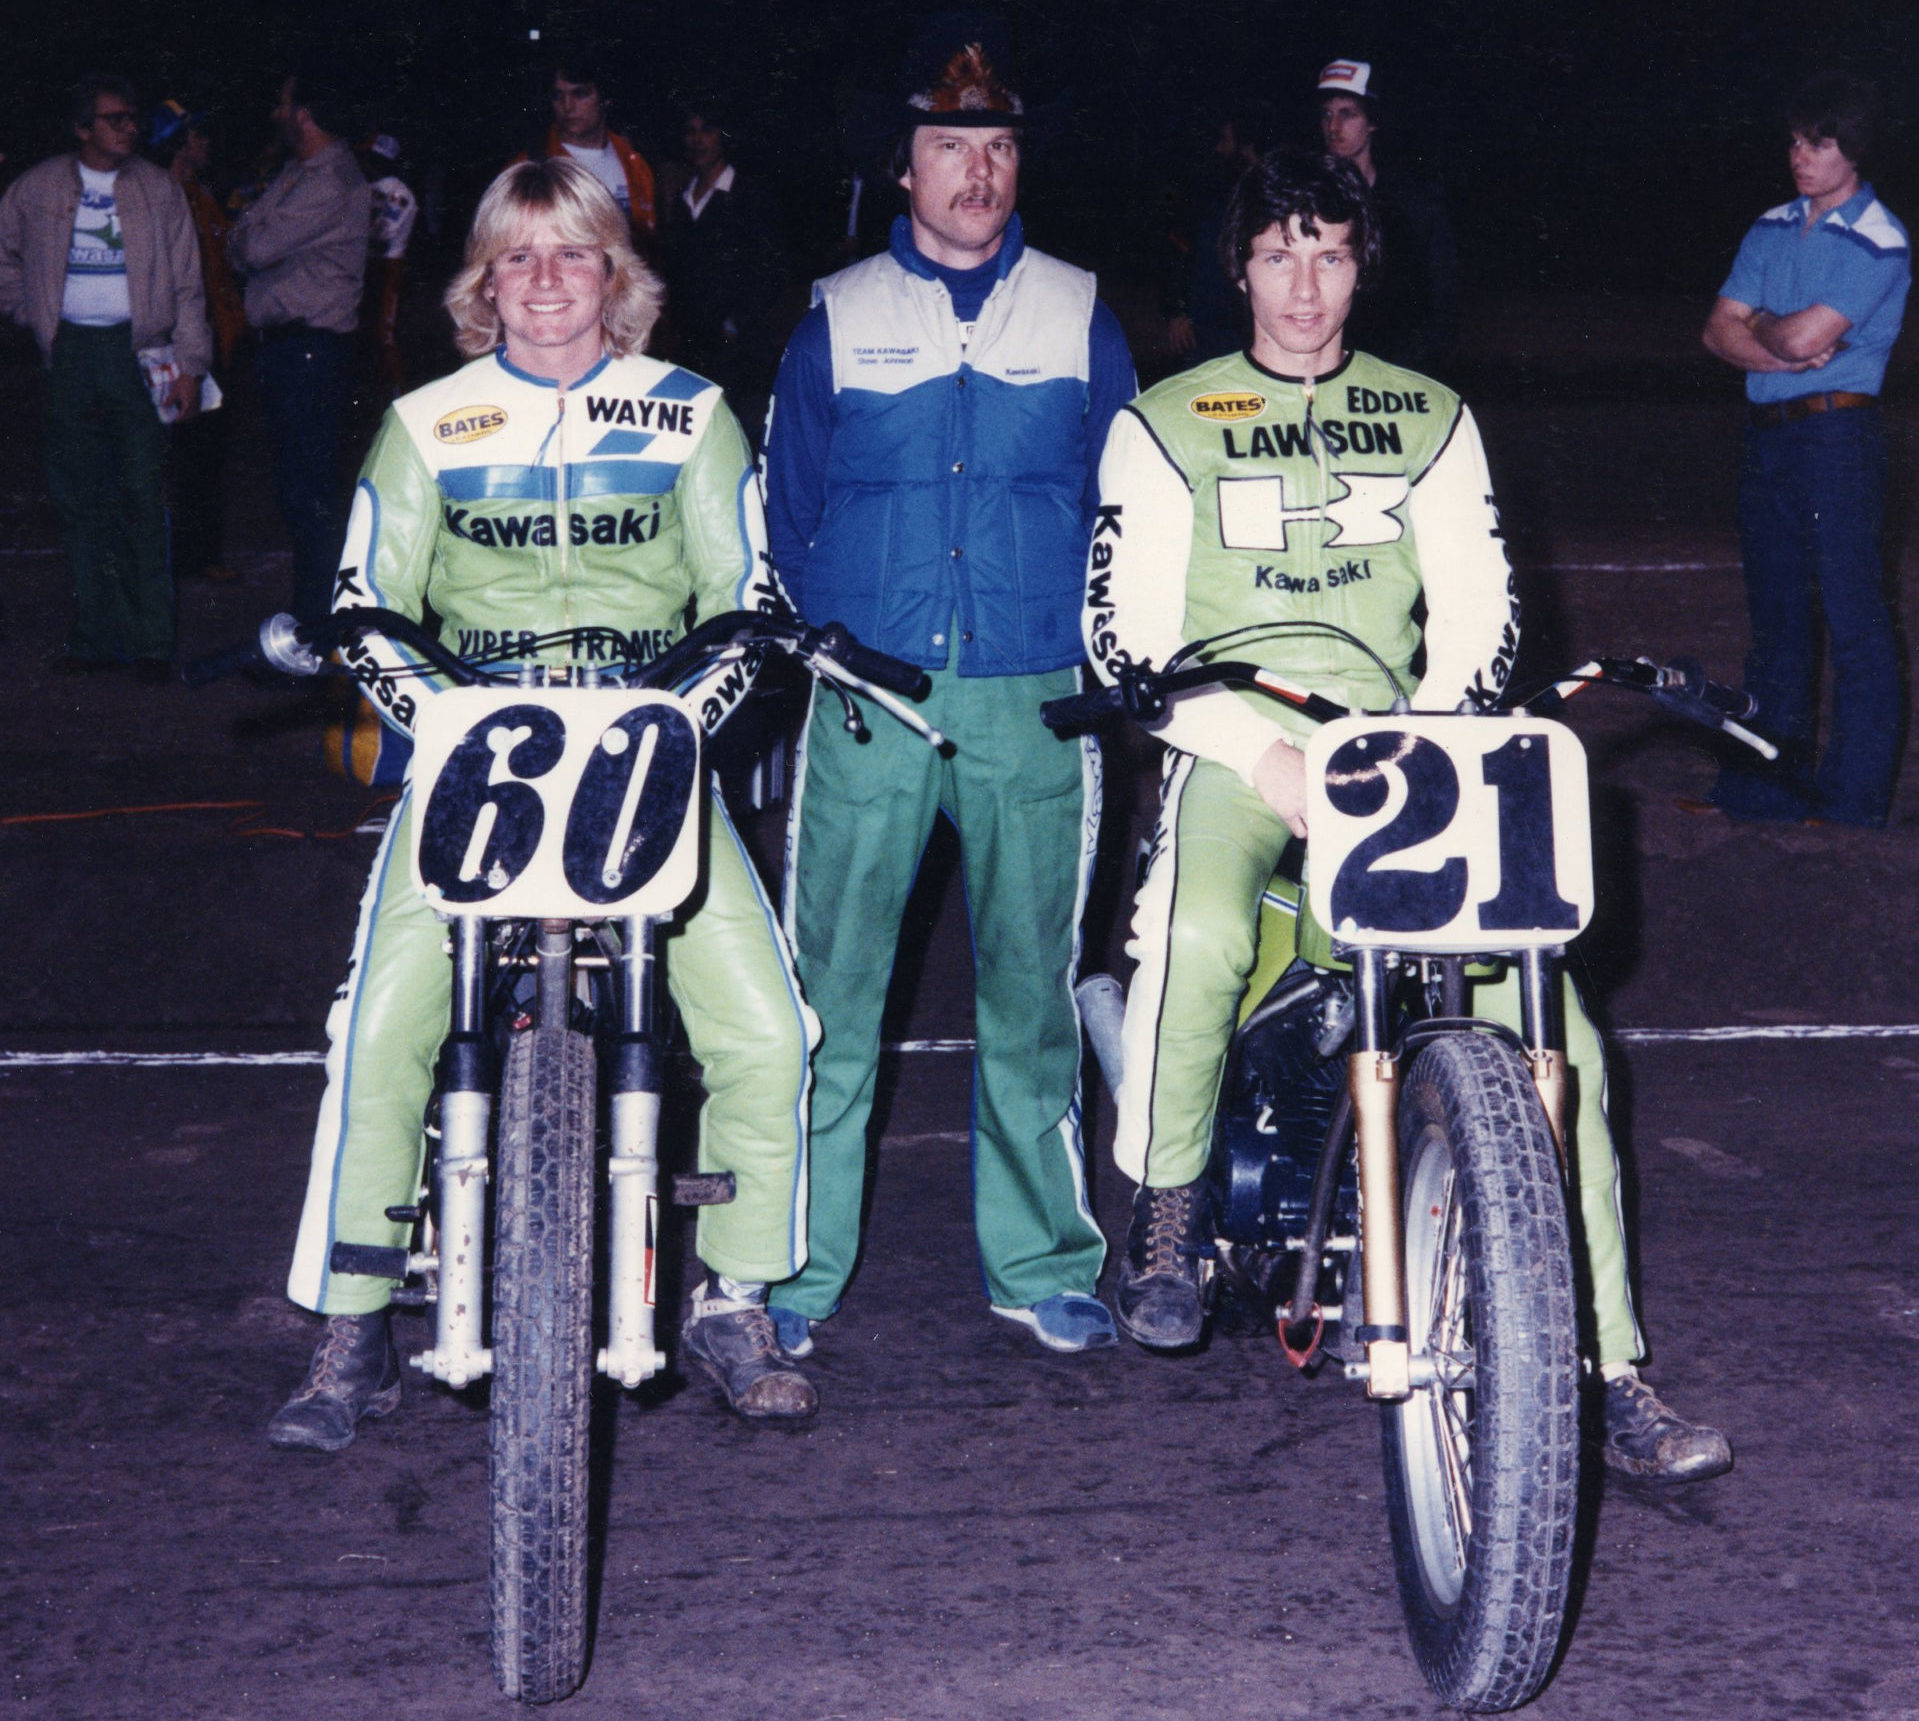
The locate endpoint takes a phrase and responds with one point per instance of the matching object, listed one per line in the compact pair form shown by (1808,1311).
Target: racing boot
(354,1375)
(1643,1436)
(1162,1300)
(729,1334)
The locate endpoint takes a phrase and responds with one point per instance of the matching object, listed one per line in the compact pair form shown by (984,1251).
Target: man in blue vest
(931,472)
(1810,313)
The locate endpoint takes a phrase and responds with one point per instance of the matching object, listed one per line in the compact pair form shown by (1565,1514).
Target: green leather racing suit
(510,507)
(1229,496)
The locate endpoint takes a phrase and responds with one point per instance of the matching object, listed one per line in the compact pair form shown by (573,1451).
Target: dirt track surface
(971,1527)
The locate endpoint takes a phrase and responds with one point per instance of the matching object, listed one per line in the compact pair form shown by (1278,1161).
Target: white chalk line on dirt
(1640,568)
(1624,1036)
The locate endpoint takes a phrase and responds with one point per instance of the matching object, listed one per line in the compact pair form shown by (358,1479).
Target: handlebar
(1142,694)
(1680,687)
(830,652)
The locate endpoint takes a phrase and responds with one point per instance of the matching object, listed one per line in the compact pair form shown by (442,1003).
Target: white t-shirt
(605,166)
(95,294)
(394,210)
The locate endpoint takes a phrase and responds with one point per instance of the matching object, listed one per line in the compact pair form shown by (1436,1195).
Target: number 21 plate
(561,802)
(1449,833)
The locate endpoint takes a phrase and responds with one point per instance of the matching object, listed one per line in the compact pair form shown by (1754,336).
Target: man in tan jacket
(98,258)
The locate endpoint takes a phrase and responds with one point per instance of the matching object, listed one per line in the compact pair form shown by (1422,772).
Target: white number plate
(556,802)
(1449,833)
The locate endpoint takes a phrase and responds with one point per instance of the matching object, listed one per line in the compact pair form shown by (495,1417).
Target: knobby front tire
(542,1365)
(1482,1465)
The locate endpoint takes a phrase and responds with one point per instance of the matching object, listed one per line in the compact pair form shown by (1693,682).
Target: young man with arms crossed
(1301,481)
(1810,313)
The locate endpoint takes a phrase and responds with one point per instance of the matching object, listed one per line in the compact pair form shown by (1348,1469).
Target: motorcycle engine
(1283,1077)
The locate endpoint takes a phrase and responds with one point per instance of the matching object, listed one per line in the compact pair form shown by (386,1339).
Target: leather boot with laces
(733,1340)
(1161,1301)
(354,1376)
(1644,1436)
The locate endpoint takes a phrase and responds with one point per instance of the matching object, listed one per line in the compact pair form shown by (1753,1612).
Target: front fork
(634,1165)
(1373,1077)
(1372,1073)
(460,1354)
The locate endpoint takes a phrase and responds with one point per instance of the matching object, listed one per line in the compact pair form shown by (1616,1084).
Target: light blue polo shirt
(1855,261)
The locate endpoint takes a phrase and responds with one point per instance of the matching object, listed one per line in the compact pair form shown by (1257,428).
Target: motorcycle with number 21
(1388,1172)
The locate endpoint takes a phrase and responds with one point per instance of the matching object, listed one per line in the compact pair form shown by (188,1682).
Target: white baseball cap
(1347,77)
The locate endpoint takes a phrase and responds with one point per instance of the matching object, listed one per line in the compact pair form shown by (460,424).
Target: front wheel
(542,1365)
(1482,1461)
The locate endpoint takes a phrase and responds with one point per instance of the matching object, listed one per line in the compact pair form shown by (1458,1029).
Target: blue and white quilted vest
(956,482)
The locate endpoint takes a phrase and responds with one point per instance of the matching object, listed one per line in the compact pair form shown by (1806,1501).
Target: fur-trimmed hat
(966,89)
(959,71)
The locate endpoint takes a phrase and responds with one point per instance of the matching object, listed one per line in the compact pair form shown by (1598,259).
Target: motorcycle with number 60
(1388,1175)
(557,828)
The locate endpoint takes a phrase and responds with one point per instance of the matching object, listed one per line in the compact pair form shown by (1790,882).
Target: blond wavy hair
(583,212)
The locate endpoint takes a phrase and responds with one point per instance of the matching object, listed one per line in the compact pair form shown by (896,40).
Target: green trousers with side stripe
(1026,805)
(729,974)
(1195,933)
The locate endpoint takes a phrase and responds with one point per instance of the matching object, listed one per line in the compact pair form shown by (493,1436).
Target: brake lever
(838,677)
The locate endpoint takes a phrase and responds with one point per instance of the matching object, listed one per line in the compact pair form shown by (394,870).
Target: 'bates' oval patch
(1226,408)
(469,424)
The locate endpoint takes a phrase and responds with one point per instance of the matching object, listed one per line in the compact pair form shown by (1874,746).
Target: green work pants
(106,471)
(726,969)
(1026,806)
(1195,934)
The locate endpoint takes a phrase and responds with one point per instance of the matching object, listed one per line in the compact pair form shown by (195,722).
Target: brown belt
(1805,405)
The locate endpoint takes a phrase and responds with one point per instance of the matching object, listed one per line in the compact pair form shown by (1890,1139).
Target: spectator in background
(1810,313)
(98,258)
(180,142)
(301,249)
(394,212)
(1206,316)
(871,201)
(1410,316)
(579,130)
(724,268)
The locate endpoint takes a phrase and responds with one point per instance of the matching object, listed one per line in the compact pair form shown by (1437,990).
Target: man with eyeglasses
(98,257)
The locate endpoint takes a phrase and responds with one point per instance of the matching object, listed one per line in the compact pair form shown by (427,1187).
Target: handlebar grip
(1734,702)
(905,679)
(216,665)
(1081,710)
(282,643)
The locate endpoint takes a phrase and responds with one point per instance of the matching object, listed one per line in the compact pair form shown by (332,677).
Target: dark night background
(1588,146)
(972,1530)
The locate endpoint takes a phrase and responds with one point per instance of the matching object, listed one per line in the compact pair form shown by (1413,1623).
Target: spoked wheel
(1482,1460)
(542,1365)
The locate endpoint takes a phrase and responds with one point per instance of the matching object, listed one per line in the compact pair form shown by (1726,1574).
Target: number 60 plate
(1449,833)
(573,803)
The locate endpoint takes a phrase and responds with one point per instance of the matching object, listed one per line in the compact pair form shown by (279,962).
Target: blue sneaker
(793,1330)
(1070,1321)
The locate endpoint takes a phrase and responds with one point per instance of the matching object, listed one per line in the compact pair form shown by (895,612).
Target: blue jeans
(306,380)
(1811,499)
